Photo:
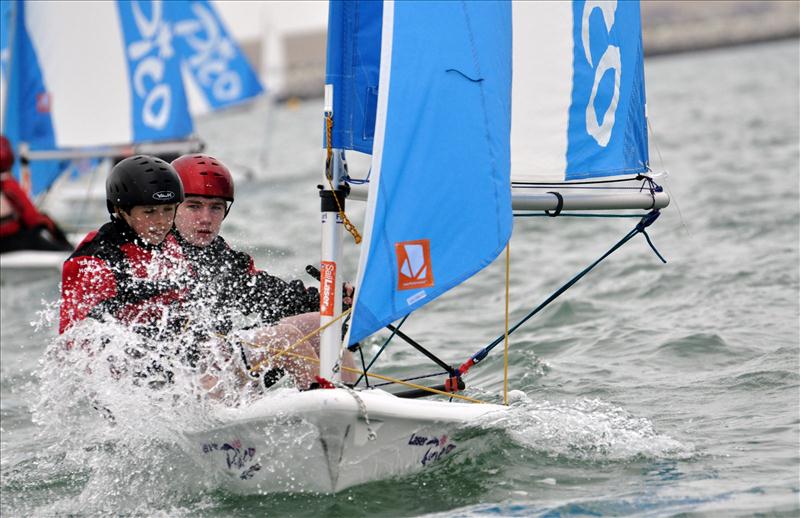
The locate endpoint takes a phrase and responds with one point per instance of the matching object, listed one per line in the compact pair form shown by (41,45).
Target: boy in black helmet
(124,268)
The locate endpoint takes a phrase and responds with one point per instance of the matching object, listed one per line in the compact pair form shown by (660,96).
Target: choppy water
(651,389)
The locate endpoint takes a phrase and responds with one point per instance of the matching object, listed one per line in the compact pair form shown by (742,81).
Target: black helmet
(142,180)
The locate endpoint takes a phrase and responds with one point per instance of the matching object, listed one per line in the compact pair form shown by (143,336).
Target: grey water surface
(651,389)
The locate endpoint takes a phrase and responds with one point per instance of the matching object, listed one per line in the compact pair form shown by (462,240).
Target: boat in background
(87,83)
(425,88)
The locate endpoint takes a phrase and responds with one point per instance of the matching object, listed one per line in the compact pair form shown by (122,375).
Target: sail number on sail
(610,60)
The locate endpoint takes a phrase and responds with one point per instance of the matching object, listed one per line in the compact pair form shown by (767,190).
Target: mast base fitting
(328,201)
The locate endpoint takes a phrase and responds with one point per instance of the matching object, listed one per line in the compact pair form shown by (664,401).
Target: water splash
(584,430)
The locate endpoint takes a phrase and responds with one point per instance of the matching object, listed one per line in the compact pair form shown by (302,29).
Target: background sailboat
(85,81)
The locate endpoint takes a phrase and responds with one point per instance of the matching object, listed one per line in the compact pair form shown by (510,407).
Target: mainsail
(438,207)
(93,74)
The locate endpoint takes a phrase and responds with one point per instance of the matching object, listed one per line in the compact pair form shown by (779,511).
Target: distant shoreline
(670,50)
(675,27)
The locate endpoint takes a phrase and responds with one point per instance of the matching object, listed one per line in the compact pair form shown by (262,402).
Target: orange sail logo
(414,269)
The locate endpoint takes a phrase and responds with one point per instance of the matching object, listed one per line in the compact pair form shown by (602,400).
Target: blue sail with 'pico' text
(93,74)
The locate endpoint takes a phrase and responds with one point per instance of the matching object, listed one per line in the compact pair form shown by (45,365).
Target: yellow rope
(394,380)
(329,176)
(505,355)
(254,369)
(270,357)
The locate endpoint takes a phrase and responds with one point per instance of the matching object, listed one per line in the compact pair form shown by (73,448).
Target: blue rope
(358,181)
(564,214)
(645,222)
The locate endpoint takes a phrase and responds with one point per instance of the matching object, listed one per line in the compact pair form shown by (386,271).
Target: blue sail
(212,58)
(158,99)
(26,115)
(439,207)
(579,97)
(607,132)
(353,64)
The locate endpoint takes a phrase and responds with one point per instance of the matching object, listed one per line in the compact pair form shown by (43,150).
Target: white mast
(330,283)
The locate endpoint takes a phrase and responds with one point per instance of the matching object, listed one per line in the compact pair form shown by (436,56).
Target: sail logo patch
(414,269)
(327,286)
(43,103)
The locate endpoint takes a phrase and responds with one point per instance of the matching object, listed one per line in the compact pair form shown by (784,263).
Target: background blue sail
(159,104)
(27,110)
(159,43)
(625,152)
(211,57)
(353,66)
(445,156)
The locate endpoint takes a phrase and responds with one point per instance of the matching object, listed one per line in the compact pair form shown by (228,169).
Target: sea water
(646,389)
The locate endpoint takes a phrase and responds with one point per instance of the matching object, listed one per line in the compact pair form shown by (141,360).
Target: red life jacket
(26,213)
(113,272)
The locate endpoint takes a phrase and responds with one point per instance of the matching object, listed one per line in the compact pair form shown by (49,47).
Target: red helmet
(204,175)
(6,155)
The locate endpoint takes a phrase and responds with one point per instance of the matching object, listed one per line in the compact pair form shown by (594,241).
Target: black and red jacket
(113,272)
(230,279)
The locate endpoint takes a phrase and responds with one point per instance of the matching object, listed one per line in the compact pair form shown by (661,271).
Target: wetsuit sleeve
(274,299)
(85,283)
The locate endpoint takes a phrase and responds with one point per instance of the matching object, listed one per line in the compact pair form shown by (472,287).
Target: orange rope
(329,175)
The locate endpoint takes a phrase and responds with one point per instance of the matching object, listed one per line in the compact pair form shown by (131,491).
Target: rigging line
(348,225)
(583,182)
(430,355)
(269,357)
(583,188)
(413,378)
(395,380)
(571,215)
(664,168)
(646,221)
(505,356)
(366,369)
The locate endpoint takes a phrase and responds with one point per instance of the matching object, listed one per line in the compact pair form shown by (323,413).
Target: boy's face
(199,219)
(151,222)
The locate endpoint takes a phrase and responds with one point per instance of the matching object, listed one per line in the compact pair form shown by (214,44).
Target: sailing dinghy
(426,89)
(83,81)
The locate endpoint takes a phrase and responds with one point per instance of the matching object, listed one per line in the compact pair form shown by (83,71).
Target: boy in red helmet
(229,278)
(22,226)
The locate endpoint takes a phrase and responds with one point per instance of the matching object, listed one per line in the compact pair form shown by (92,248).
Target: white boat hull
(29,265)
(317,441)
